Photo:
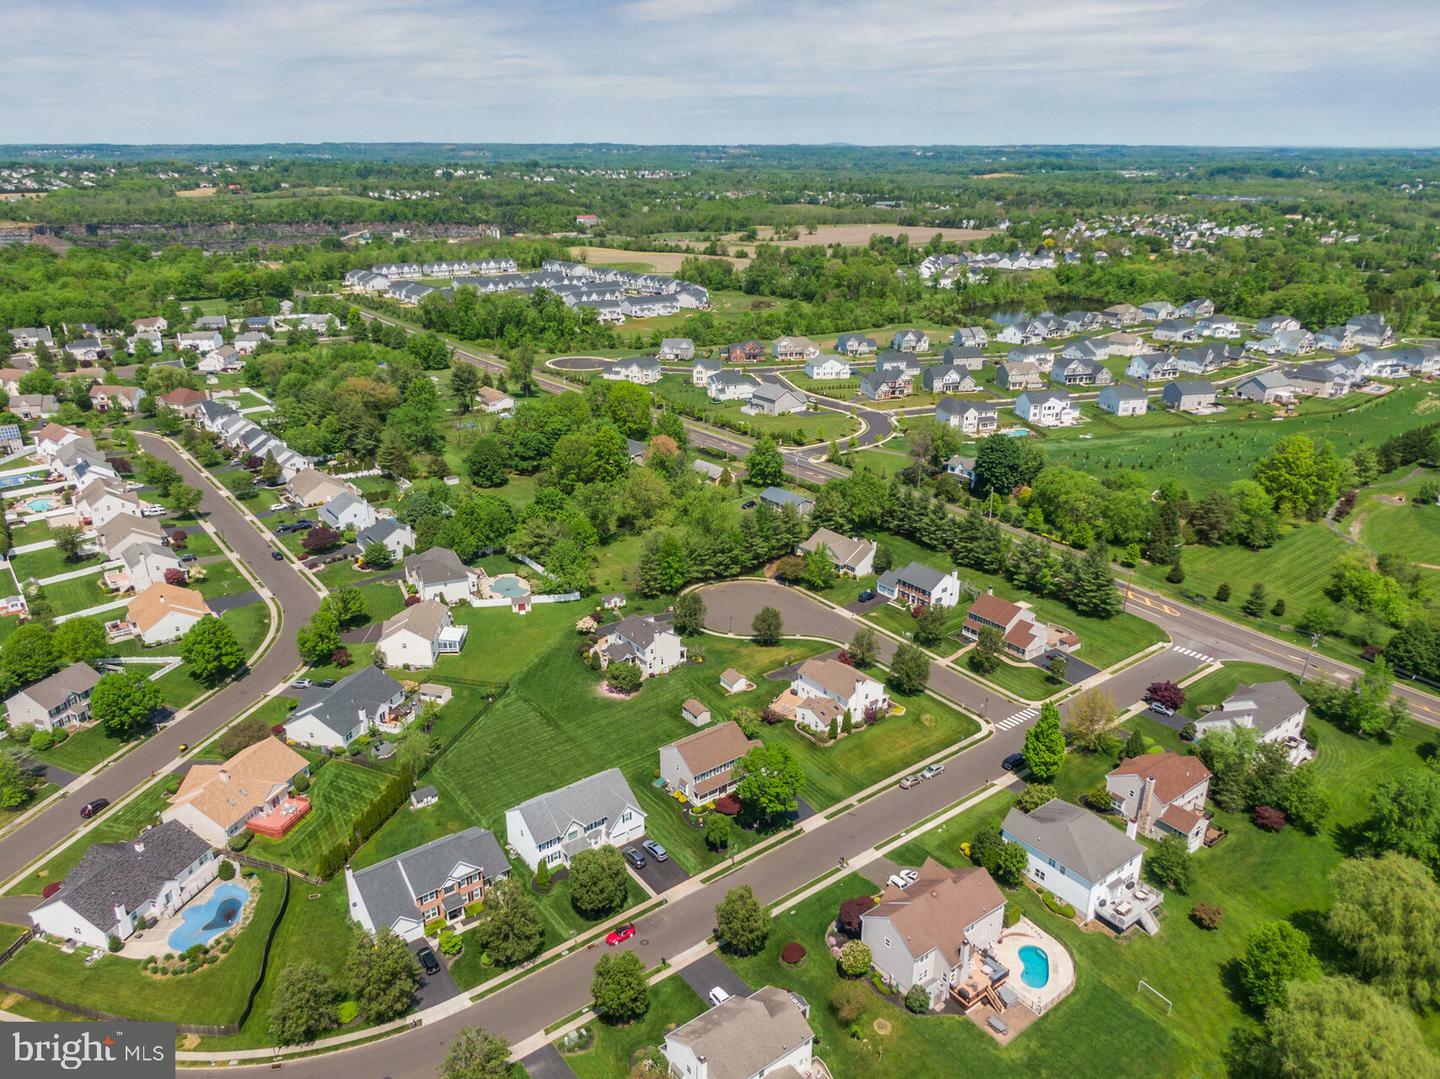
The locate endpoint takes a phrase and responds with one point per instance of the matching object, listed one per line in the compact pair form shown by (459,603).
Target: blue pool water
(39,505)
(509,586)
(202,923)
(1034,966)
(21,480)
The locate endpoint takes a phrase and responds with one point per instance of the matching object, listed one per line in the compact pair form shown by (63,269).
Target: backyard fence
(261,863)
(15,946)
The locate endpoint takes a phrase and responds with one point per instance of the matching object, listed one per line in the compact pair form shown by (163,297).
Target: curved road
(296,598)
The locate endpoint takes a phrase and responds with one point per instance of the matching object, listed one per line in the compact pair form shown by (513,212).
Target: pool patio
(156,942)
(1062,967)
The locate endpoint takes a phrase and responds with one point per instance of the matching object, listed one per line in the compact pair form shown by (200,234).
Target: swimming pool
(509,586)
(39,505)
(1034,966)
(22,480)
(203,923)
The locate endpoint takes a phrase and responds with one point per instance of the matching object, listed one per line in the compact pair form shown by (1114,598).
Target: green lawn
(339,794)
(222,579)
(382,599)
(1026,681)
(79,594)
(114,825)
(83,750)
(672,1003)
(339,574)
(49,562)
(818,426)
(213,994)
(1411,530)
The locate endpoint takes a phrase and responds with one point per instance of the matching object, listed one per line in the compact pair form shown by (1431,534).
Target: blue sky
(1262,72)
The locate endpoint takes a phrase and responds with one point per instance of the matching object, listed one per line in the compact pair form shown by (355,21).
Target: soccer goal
(1145,986)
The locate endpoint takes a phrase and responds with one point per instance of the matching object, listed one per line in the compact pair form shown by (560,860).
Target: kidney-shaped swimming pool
(202,923)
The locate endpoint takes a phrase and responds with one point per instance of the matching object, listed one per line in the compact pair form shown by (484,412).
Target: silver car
(656,851)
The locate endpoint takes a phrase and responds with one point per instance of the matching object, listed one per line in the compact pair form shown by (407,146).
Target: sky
(971,72)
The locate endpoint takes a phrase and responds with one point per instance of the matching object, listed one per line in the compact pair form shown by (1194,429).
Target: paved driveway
(660,876)
(547,1063)
(220,604)
(1076,670)
(434,988)
(709,971)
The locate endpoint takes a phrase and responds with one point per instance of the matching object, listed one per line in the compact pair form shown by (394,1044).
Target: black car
(92,807)
(188,558)
(750,505)
(1014,762)
(325,683)
(866,596)
(304,522)
(277,556)
(635,858)
(428,960)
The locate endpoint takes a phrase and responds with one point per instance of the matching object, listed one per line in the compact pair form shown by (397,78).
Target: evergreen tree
(1044,750)
(1094,592)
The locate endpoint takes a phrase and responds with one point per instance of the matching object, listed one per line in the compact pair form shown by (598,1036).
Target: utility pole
(1314,644)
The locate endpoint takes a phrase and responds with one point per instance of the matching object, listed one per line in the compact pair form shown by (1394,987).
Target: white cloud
(1287,71)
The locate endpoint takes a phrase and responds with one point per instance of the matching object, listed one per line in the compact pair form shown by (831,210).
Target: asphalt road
(293,595)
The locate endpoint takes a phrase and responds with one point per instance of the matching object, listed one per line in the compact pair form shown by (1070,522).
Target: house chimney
(1147,799)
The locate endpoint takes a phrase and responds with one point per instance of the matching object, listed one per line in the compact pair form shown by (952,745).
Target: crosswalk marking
(1193,654)
(1023,716)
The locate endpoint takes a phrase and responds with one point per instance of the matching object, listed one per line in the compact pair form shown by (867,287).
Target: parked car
(903,879)
(152,511)
(750,505)
(325,683)
(276,507)
(90,808)
(912,780)
(428,960)
(867,595)
(278,556)
(187,557)
(1161,709)
(302,683)
(621,935)
(1014,762)
(659,853)
(718,996)
(635,858)
(930,771)
(304,522)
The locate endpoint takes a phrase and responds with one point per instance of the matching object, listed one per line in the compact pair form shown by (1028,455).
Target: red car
(621,935)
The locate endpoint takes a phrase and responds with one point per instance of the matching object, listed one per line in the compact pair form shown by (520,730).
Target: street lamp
(1314,644)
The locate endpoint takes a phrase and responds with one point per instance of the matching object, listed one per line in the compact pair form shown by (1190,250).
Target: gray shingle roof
(1270,703)
(389,888)
(111,874)
(603,796)
(438,565)
(920,575)
(1074,837)
(339,706)
(54,691)
(379,532)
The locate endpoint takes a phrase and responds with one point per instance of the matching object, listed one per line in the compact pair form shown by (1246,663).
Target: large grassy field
(338,796)
(1388,521)
(817,426)
(213,994)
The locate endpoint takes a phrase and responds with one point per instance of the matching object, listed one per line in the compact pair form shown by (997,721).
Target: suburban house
(1187,395)
(419,635)
(346,511)
(794,348)
(495,402)
(1124,399)
(1121,343)
(395,535)
(703,370)
(1273,709)
(825,689)
(1153,367)
(827,368)
(1080,373)
(99,502)
(1202,307)
(777,498)
(123,398)
(1019,375)
(1162,794)
(217,801)
(33,406)
(1157,311)
(333,718)
(676,348)
(852,556)
(117,886)
(165,612)
(1079,858)
(641,370)
(948,378)
(750,351)
(855,344)
(121,531)
(1022,637)
(918,585)
(970,417)
(970,337)
(936,932)
(1047,408)
(887,385)
(972,359)
(774,398)
(439,574)
(1318,380)
(701,766)
(1371,331)
(1121,314)
(910,341)
(642,639)
(1222,326)
(1266,388)
(225,358)
(31,337)
(142,563)
(764,1034)
(962,468)
(62,700)
(597,811)
(731,386)
(1176,329)
(310,487)
(431,881)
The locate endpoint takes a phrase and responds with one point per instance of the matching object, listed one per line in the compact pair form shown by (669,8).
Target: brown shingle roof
(426,619)
(936,909)
(713,746)
(227,792)
(833,676)
(153,604)
(993,609)
(1173,773)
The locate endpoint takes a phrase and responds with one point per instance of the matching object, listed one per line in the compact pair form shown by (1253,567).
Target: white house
(1123,399)
(934,932)
(1047,408)
(201,341)
(332,718)
(397,537)
(774,398)
(347,511)
(438,879)
(216,801)
(1162,794)
(100,503)
(970,417)
(439,574)
(1273,709)
(495,402)
(703,370)
(701,766)
(764,1034)
(918,585)
(165,612)
(731,386)
(597,811)
(827,368)
(910,341)
(851,556)
(853,691)
(641,370)
(117,886)
(419,635)
(676,348)
(1079,858)
(61,700)
(645,640)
